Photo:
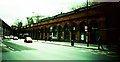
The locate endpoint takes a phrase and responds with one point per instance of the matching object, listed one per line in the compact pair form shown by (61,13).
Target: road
(18,50)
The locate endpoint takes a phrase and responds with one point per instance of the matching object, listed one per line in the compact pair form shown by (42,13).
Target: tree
(84,4)
(37,18)
(30,20)
(18,23)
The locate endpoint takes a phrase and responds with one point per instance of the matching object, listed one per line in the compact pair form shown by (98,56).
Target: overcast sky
(10,10)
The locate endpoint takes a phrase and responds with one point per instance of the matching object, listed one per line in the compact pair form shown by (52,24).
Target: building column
(44,35)
(32,34)
(40,35)
(48,35)
(70,35)
(37,33)
(63,35)
(78,36)
(57,34)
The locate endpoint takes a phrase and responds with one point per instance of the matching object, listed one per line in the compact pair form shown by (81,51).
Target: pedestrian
(100,43)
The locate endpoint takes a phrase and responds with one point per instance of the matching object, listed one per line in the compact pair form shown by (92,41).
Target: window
(54,31)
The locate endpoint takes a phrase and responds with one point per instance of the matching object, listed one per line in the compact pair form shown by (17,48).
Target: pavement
(93,47)
(49,51)
(77,45)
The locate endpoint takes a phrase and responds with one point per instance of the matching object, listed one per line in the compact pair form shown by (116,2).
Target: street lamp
(86,28)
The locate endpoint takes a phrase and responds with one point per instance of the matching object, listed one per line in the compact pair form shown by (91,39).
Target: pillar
(63,35)
(57,34)
(78,36)
(48,35)
(70,35)
(40,35)
(43,35)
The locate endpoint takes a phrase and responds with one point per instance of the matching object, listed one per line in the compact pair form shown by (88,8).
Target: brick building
(5,29)
(83,25)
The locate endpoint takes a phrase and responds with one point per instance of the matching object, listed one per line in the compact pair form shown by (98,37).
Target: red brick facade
(102,19)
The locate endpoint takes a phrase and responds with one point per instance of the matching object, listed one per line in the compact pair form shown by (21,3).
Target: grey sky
(10,10)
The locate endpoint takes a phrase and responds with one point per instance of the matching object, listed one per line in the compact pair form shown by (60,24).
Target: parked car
(6,37)
(11,36)
(28,40)
(15,38)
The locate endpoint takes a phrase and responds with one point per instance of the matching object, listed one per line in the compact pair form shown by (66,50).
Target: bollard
(72,42)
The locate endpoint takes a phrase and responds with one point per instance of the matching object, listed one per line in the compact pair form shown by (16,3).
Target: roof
(4,24)
(69,13)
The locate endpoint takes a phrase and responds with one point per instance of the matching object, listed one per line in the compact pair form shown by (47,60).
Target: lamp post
(35,17)
(87,34)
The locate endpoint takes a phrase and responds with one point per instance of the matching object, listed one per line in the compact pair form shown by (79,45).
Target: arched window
(59,32)
(74,32)
(66,33)
(82,32)
(54,32)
